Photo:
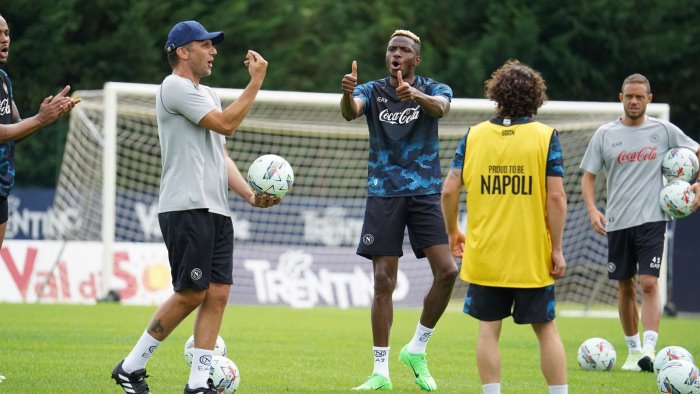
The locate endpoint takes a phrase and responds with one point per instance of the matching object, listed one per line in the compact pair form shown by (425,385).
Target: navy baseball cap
(185,32)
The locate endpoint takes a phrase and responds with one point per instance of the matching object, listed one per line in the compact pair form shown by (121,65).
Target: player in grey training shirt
(193,210)
(630,150)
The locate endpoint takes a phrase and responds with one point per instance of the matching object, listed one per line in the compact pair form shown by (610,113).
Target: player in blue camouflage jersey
(404,184)
(14,129)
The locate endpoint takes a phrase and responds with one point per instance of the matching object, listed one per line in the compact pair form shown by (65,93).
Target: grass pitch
(72,349)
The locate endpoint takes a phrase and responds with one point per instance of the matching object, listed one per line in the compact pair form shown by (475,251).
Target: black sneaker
(132,383)
(646,363)
(202,390)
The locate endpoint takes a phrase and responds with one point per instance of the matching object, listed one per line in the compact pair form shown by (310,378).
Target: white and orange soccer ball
(271,174)
(678,377)
(680,163)
(596,354)
(676,199)
(670,353)
(224,373)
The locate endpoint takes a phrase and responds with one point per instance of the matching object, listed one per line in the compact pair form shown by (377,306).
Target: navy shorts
(386,219)
(4,210)
(527,306)
(200,248)
(636,250)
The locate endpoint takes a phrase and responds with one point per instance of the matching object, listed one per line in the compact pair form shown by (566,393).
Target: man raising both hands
(404,184)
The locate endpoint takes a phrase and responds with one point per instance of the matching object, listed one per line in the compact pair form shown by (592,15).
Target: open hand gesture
(53,107)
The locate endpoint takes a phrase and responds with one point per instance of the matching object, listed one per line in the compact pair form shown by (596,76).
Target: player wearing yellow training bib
(512,171)
(509,184)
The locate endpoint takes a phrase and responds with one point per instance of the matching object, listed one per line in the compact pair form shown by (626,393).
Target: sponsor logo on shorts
(368,239)
(196,274)
(655,262)
(611,267)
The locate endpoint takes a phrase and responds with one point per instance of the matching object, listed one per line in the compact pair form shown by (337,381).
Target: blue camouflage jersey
(403,140)
(7,149)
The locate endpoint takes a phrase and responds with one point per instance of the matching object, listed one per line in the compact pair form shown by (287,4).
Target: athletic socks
(140,354)
(381,360)
(201,364)
(559,389)
(634,344)
(420,339)
(491,388)
(650,338)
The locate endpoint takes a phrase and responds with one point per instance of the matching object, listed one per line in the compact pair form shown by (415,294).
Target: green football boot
(375,382)
(417,363)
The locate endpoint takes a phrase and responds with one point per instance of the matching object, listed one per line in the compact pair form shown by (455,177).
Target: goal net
(111,170)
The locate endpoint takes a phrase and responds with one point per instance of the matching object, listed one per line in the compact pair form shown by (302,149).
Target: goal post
(111,169)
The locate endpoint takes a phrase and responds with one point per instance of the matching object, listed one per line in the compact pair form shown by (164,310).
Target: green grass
(72,349)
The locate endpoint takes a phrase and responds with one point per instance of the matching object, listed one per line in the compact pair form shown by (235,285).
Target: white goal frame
(112,90)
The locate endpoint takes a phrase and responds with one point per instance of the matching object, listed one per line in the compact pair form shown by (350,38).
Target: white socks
(381,361)
(420,339)
(416,346)
(560,389)
(201,364)
(141,352)
(650,338)
(634,344)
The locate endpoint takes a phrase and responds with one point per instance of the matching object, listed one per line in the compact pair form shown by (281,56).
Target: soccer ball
(670,353)
(676,199)
(270,174)
(678,377)
(596,354)
(219,348)
(225,375)
(680,163)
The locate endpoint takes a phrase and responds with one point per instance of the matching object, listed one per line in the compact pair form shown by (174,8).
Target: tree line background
(584,49)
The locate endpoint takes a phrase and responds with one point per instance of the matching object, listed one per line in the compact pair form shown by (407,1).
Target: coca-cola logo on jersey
(644,154)
(4,107)
(406,116)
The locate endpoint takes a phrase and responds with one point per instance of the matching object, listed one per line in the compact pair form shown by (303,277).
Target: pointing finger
(64,91)
(398,76)
(354,69)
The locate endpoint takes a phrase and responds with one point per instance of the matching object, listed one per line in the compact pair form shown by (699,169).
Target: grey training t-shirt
(631,158)
(194,168)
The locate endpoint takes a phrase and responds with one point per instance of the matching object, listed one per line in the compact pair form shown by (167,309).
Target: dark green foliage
(583,49)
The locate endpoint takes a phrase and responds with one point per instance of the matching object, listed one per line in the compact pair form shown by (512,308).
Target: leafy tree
(583,49)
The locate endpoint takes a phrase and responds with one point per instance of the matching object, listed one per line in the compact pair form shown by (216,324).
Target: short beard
(641,115)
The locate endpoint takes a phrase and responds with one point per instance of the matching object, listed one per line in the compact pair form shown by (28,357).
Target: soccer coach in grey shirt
(630,150)
(193,209)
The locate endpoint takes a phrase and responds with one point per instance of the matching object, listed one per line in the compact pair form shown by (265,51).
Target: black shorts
(527,306)
(200,248)
(386,220)
(636,249)
(4,212)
